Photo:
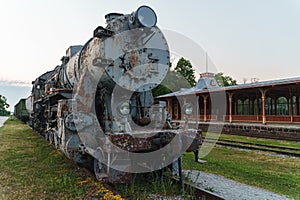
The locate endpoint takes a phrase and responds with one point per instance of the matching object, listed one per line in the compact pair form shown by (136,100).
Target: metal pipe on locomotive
(98,105)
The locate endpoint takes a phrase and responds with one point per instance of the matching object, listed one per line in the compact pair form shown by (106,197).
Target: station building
(266,109)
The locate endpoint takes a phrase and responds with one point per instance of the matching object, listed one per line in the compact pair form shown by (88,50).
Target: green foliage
(185,68)
(182,77)
(3,106)
(172,82)
(225,80)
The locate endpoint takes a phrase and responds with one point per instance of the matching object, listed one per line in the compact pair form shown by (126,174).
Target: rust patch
(133,58)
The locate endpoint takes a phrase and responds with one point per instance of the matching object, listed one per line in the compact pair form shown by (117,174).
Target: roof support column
(230,107)
(170,107)
(291,107)
(205,105)
(275,105)
(236,106)
(257,108)
(197,112)
(252,108)
(263,103)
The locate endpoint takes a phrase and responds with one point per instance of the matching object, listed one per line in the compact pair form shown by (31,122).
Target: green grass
(30,168)
(274,173)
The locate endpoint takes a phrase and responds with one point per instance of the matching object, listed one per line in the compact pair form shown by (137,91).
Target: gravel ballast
(229,189)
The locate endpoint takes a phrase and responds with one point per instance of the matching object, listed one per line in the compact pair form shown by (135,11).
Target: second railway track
(290,151)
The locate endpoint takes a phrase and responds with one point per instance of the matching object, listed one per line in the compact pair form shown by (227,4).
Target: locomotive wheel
(55,141)
(51,138)
(47,136)
(100,171)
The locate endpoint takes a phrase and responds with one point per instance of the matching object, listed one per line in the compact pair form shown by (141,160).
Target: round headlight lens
(188,109)
(124,108)
(146,16)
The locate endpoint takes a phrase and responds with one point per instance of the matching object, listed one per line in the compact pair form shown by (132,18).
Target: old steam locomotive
(97,106)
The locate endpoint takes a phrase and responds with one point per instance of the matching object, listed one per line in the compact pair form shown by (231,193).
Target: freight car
(21,112)
(98,105)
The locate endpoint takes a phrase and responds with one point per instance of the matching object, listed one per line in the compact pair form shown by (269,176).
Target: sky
(243,39)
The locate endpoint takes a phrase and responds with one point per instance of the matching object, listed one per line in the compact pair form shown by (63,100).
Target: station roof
(262,84)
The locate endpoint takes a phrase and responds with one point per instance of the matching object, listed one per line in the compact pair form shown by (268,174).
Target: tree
(182,77)
(185,68)
(172,82)
(3,105)
(224,80)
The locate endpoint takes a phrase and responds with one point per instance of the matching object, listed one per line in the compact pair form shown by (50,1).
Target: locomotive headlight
(144,17)
(188,109)
(124,108)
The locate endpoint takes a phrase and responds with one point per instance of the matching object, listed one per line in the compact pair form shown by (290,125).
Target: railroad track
(198,193)
(290,151)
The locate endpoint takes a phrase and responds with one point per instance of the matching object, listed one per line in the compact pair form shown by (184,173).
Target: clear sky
(243,38)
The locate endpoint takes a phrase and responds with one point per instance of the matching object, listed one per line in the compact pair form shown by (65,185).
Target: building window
(294,105)
(270,106)
(257,107)
(282,106)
